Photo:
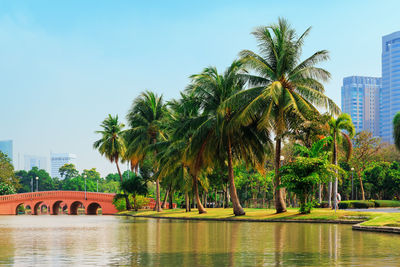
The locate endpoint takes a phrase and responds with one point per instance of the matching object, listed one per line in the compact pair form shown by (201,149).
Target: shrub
(387,203)
(120,204)
(356,204)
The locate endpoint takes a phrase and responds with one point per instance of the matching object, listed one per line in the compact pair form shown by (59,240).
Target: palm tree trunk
(335,187)
(157,207)
(280,204)
(196,195)
(187,202)
(330,194)
(237,208)
(171,194)
(361,185)
(165,198)
(127,203)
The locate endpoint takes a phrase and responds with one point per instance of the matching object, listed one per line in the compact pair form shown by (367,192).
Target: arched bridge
(55,200)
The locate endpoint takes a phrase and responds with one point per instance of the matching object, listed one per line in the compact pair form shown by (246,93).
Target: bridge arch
(55,208)
(36,207)
(17,207)
(93,208)
(73,208)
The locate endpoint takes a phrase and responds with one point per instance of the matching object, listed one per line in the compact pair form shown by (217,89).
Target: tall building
(34,161)
(390,93)
(7,148)
(360,99)
(60,159)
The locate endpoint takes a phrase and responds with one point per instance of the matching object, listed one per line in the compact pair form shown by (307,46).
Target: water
(120,241)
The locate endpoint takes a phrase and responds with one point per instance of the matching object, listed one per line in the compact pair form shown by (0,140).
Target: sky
(66,65)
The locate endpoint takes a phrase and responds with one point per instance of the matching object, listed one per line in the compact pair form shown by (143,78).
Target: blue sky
(65,65)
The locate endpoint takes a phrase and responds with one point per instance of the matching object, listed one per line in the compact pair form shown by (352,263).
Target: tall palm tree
(396,130)
(112,145)
(219,138)
(145,121)
(183,119)
(343,122)
(284,90)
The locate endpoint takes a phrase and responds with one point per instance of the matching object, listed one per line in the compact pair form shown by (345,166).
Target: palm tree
(145,119)
(219,138)
(396,130)
(135,185)
(343,122)
(284,90)
(183,119)
(112,144)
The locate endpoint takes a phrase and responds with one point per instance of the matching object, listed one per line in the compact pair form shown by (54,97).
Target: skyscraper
(360,99)
(34,161)
(7,148)
(390,93)
(58,160)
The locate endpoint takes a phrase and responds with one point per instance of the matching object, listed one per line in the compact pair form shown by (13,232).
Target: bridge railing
(58,194)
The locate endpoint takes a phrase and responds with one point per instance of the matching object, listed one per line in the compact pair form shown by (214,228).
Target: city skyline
(77,67)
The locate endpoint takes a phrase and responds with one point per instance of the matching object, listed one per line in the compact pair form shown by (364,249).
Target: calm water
(114,241)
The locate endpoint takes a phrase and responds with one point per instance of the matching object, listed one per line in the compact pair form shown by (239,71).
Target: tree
(283,89)
(221,137)
(29,182)
(365,150)
(135,185)
(68,171)
(112,144)
(6,189)
(343,122)
(7,176)
(396,130)
(145,118)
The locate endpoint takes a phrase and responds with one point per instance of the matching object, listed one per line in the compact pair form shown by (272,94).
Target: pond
(113,241)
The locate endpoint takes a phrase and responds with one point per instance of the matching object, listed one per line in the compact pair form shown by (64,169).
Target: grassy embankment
(369,218)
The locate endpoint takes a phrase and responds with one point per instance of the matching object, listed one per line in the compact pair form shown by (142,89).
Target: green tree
(396,130)
(29,182)
(7,176)
(220,137)
(135,185)
(68,171)
(6,189)
(145,119)
(337,127)
(283,89)
(112,144)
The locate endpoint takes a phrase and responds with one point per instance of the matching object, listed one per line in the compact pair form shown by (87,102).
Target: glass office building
(390,93)
(7,148)
(360,99)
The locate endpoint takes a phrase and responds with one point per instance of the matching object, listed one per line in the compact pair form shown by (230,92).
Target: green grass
(262,214)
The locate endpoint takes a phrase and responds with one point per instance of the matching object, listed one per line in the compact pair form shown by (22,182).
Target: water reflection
(115,241)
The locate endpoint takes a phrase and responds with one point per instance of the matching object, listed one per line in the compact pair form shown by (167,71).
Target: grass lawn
(370,218)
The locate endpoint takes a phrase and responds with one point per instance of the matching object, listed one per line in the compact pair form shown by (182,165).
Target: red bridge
(54,200)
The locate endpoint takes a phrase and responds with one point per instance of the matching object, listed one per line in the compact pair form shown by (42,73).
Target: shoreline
(215,215)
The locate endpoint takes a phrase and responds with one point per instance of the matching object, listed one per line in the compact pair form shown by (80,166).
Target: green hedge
(365,204)
(387,203)
(356,204)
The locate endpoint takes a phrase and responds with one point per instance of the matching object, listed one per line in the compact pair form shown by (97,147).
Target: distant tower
(58,160)
(6,147)
(360,99)
(390,93)
(31,161)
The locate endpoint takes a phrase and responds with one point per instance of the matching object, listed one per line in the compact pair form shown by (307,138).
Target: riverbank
(368,221)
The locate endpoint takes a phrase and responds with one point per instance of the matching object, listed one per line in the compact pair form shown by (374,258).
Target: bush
(387,203)
(323,204)
(120,205)
(356,204)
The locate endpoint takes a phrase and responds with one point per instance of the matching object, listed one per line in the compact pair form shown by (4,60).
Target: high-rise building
(34,161)
(60,159)
(7,148)
(360,99)
(390,93)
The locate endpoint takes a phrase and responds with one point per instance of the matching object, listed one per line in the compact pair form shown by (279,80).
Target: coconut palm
(183,120)
(219,138)
(112,144)
(343,122)
(396,130)
(284,90)
(145,121)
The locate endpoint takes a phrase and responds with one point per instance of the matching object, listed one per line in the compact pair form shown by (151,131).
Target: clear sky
(66,64)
